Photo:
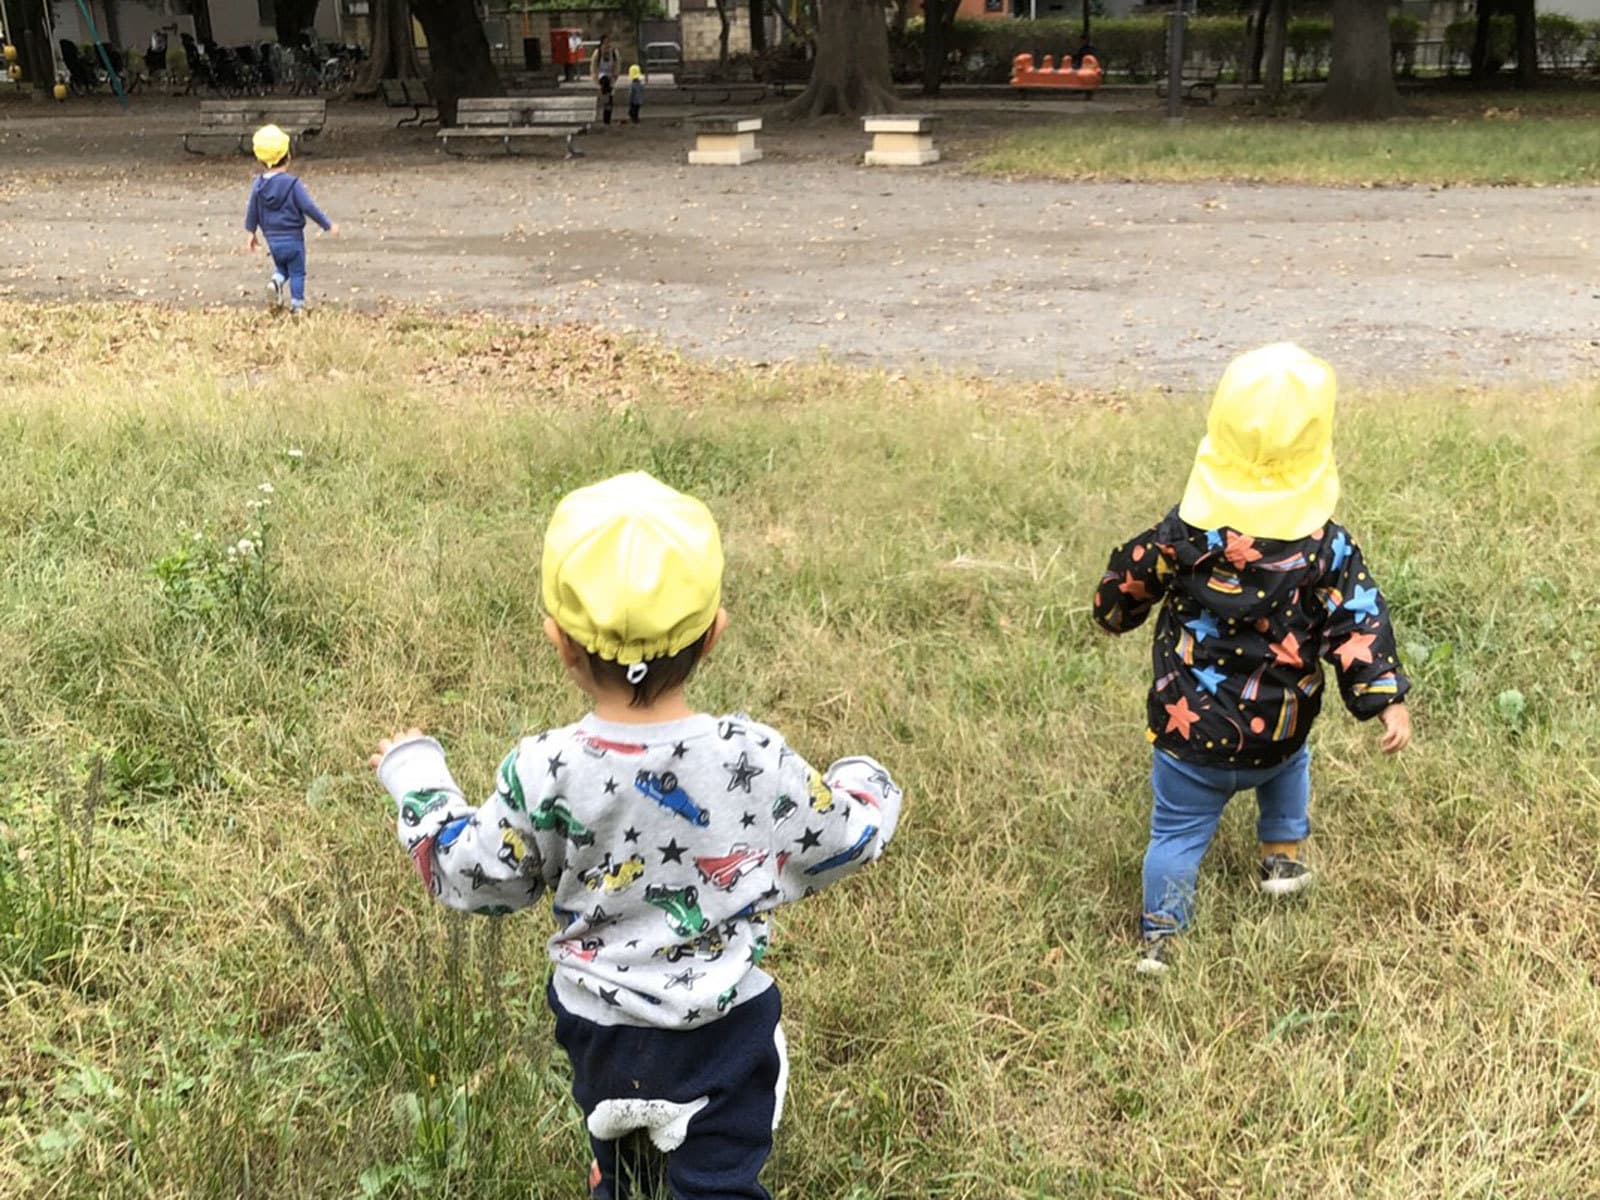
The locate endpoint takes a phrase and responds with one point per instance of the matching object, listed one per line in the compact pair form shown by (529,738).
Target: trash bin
(566,50)
(530,54)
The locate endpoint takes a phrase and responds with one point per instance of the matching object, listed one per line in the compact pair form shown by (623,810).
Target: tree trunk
(722,36)
(1361,77)
(1275,49)
(394,51)
(758,27)
(1527,43)
(291,18)
(939,22)
(458,53)
(851,74)
(1258,40)
(1483,41)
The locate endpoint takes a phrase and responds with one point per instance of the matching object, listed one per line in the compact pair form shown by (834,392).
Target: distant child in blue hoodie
(279,206)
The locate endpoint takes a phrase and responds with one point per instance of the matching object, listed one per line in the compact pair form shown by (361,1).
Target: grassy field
(222,979)
(1494,139)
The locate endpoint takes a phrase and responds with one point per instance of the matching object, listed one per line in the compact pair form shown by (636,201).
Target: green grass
(1495,139)
(261,1002)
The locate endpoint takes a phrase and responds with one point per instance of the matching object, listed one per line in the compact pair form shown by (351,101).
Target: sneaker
(1283,876)
(277,291)
(1157,956)
(297,310)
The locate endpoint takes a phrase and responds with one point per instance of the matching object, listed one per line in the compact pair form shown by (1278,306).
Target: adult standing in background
(604,68)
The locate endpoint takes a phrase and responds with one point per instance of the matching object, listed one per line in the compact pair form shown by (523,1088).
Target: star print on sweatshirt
(1244,626)
(663,848)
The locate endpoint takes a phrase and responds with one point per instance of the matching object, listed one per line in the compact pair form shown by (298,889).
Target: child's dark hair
(661,674)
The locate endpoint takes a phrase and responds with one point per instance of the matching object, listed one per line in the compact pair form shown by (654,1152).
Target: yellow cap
(1265,466)
(632,568)
(634,72)
(271,145)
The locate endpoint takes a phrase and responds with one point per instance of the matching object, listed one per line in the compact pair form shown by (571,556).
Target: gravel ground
(808,253)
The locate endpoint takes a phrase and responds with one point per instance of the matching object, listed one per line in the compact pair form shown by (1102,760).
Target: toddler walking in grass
(1257,585)
(664,836)
(278,208)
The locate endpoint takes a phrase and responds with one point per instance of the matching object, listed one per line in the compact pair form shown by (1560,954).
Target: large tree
(394,50)
(1361,76)
(458,53)
(851,74)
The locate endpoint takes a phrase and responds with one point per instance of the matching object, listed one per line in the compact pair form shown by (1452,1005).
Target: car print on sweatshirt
(725,870)
(664,790)
(613,876)
(553,815)
(680,907)
(835,861)
(419,804)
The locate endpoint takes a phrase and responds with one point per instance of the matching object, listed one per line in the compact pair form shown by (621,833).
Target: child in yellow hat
(664,837)
(635,93)
(278,208)
(1257,585)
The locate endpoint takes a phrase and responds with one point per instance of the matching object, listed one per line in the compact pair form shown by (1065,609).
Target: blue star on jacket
(1209,678)
(1364,600)
(1340,549)
(1203,626)
(1213,539)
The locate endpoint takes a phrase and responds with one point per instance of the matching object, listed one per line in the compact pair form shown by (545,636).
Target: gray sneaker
(1283,876)
(277,292)
(1157,956)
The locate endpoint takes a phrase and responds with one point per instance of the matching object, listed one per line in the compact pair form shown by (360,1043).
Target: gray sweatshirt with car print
(663,847)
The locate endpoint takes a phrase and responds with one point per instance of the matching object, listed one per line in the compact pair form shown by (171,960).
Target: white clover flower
(296,452)
(265,489)
(233,552)
(246,546)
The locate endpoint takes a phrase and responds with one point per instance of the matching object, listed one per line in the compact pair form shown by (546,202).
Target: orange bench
(1086,78)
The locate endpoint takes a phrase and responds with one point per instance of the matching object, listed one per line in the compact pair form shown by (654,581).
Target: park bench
(901,140)
(1199,87)
(749,91)
(781,74)
(505,118)
(238,120)
(724,141)
(1085,78)
(414,94)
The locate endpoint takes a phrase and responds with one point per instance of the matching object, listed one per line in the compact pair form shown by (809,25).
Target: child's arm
(840,821)
(490,859)
(252,215)
(1358,638)
(1134,581)
(302,197)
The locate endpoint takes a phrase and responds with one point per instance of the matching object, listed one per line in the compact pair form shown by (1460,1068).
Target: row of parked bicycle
(311,68)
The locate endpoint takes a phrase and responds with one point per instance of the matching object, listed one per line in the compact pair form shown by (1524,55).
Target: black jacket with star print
(1243,630)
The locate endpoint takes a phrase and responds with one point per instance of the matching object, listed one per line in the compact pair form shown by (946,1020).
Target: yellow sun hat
(634,72)
(1265,466)
(632,568)
(271,145)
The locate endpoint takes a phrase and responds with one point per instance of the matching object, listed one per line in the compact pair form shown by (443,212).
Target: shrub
(1459,37)
(1562,40)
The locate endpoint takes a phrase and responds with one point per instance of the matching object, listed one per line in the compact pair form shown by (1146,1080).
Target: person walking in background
(278,208)
(604,68)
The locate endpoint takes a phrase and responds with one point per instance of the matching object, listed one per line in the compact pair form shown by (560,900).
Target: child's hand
(389,743)
(1396,728)
(333,230)
(253,243)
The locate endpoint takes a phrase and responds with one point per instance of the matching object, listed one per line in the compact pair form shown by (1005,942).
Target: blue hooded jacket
(279,206)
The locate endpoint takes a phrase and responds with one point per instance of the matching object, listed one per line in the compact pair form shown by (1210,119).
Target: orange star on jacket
(1241,551)
(1180,717)
(1133,587)
(1356,648)
(1287,651)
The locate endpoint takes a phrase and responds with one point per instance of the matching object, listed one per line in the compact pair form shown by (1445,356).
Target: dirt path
(807,253)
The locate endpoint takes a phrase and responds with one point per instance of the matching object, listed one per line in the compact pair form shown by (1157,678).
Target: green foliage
(46,887)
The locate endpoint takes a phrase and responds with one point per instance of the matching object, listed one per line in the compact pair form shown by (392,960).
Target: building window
(993,6)
(267,11)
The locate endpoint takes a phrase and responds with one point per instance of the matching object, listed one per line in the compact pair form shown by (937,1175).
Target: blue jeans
(289,262)
(1189,800)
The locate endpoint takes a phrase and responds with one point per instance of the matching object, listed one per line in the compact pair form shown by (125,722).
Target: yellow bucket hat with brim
(1265,466)
(271,145)
(632,569)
